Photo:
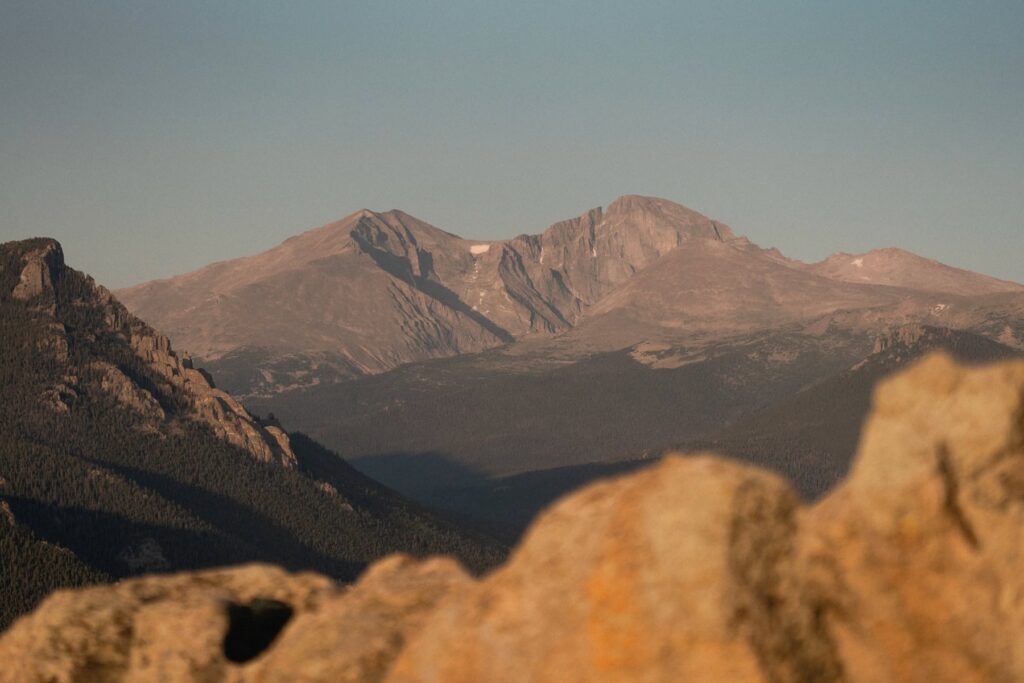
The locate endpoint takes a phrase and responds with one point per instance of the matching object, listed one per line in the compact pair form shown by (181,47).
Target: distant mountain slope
(356,296)
(460,421)
(117,457)
(716,289)
(900,268)
(713,290)
(808,435)
(377,290)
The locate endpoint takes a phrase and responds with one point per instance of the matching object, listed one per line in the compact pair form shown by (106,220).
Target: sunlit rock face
(695,569)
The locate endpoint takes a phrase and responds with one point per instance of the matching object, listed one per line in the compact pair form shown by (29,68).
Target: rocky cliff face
(62,297)
(696,569)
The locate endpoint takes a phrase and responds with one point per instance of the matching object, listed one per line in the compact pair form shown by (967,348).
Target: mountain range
(481,378)
(119,457)
(449,368)
(376,290)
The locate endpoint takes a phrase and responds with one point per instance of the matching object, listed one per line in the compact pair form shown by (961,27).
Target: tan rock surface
(696,569)
(354,637)
(924,542)
(177,628)
(614,584)
(154,629)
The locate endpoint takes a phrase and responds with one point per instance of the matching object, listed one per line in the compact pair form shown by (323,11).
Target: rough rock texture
(37,275)
(697,569)
(905,334)
(149,630)
(353,638)
(115,383)
(922,548)
(213,626)
(42,262)
(614,583)
(218,409)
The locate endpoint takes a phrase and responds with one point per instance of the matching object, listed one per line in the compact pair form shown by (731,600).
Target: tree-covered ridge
(100,490)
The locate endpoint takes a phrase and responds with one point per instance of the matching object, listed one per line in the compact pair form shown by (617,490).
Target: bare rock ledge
(697,569)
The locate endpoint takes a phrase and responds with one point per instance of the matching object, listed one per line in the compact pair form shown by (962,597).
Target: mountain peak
(896,267)
(638,202)
(637,211)
(376,290)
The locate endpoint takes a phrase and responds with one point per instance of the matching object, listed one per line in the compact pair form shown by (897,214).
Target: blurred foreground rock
(696,569)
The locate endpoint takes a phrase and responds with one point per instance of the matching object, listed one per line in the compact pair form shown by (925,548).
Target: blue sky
(154,137)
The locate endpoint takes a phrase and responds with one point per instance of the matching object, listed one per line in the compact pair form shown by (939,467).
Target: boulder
(922,548)
(157,629)
(215,625)
(643,578)
(354,637)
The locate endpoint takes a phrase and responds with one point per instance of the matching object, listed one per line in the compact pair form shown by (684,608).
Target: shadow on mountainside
(267,540)
(417,474)
(92,534)
(399,268)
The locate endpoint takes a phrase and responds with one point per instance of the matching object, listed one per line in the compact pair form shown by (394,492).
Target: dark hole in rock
(253,627)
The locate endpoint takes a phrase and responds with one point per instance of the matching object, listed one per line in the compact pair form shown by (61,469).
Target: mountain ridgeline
(118,457)
(481,378)
(497,443)
(488,377)
(377,290)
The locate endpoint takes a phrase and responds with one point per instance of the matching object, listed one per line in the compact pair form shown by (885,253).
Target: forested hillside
(809,436)
(106,471)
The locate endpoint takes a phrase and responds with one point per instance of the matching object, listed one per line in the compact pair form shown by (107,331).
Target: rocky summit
(697,569)
(41,267)
(376,290)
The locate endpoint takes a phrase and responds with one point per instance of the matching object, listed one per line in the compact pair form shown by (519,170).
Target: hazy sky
(154,137)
